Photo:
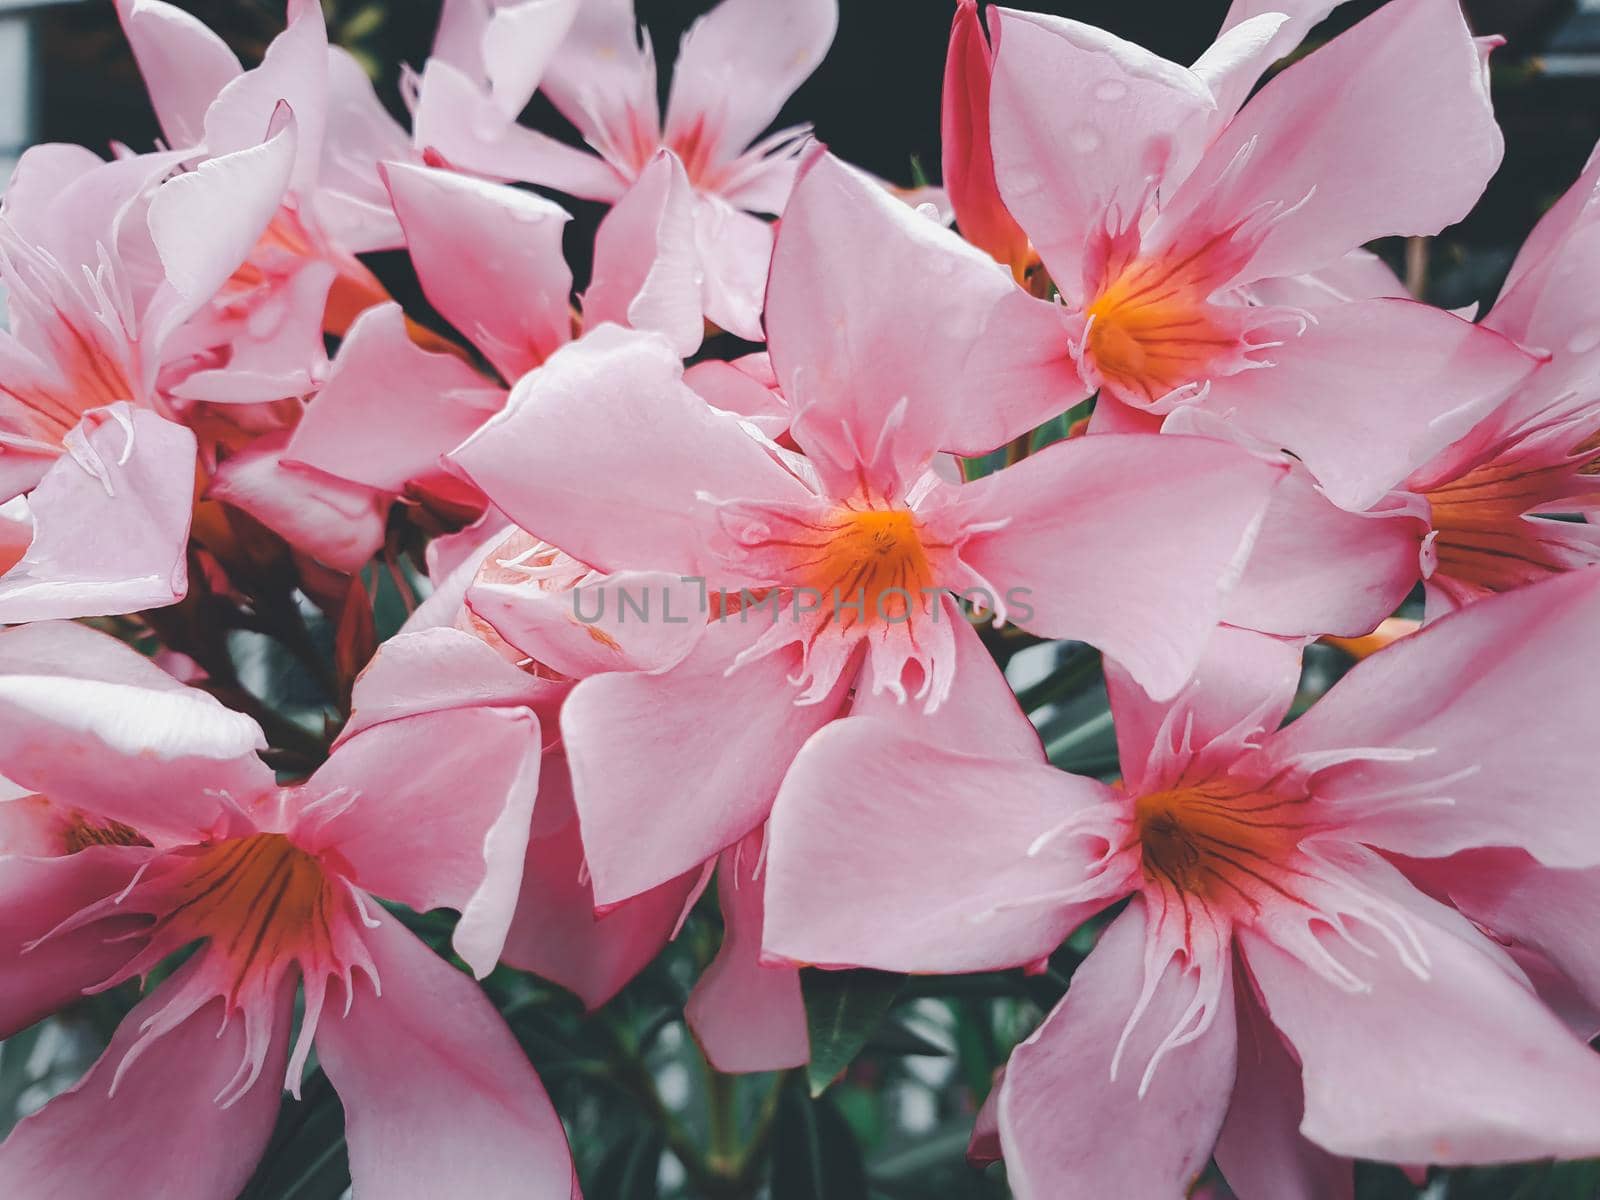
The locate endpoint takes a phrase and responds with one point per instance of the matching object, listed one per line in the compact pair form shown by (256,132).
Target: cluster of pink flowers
(713,619)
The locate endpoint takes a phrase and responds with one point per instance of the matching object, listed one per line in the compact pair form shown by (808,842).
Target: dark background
(875,100)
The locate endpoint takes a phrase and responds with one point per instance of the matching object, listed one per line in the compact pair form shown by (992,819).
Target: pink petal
(457,121)
(1242,688)
(718,743)
(336,522)
(433,670)
(968,160)
(1317,568)
(1537,907)
(620,397)
(1145,578)
(1488,704)
(745,1016)
(1261,1151)
(205,222)
(1541,299)
(1406,379)
(631,621)
(183,62)
(161,1132)
(439,1099)
(352,205)
(518,42)
(932,842)
(734,250)
(390,410)
(738,64)
(604,82)
(555,932)
(646,269)
(110,521)
(1387,129)
(1455,1062)
(38,894)
(1082,121)
(744,386)
(489,259)
(96,726)
(874,308)
(437,815)
(1074,1122)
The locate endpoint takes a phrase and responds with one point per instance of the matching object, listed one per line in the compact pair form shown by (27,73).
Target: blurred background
(629,1080)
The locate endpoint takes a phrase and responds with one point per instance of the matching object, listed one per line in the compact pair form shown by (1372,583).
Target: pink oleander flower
(892,341)
(736,67)
(335,207)
(489,258)
(1288,985)
(1160,207)
(149,825)
(1473,518)
(104,263)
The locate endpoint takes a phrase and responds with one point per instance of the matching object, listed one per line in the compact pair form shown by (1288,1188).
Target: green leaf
(306,1158)
(814,1154)
(630,1169)
(843,1010)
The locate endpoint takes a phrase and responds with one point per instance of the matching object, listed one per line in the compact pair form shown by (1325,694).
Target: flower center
(1151,329)
(867,566)
(1220,845)
(253,897)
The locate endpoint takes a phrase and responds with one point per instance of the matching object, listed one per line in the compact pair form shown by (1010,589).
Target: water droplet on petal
(1085,139)
(1584,341)
(1110,90)
(1024,183)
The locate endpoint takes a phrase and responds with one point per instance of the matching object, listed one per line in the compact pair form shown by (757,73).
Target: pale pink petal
(433,811)
(352,205)
(1545,909)
(874,308)
(738,64)
(294,74)
(439,1099)
(1387,129)
(38,894)
(457,121)
(183,62)
(981,715)
(390,410)
(1448,1060)
(1261,1151)
(96,726)
(745,1016)
(669,769)
(110,521)
(1317,568)
(1493,715)
(556,932)
(1542,289)
(432,670)
(336,522)
(604,82)
(933,843)
(630,621)
(205,222)
(1144,579)
(1128,1135)
(518,43)
(161,1131)
(613,406)
(1081,123)
(489,259)
(1242,688)
(734,250)
(745,386)
(646,268)
(1406,380)
(1232,65)
(1359,275)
